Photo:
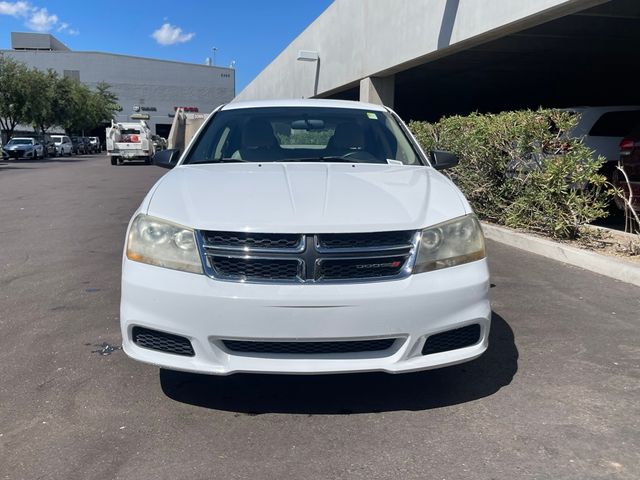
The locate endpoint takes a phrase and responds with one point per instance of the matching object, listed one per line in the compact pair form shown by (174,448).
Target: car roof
(306,102)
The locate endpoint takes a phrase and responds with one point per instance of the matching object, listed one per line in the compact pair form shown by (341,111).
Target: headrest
(349,136)
(258,133)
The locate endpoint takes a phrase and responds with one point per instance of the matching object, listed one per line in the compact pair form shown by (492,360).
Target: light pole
(214,49)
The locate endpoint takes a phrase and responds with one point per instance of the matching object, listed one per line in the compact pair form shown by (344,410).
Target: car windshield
(20,141)
(303,134)
(57,139)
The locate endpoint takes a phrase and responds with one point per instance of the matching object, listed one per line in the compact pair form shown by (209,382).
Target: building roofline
(54,52)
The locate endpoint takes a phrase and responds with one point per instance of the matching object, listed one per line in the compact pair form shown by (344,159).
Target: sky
(250,32)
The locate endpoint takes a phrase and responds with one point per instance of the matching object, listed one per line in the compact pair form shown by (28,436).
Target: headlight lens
(450,243)
(161,243)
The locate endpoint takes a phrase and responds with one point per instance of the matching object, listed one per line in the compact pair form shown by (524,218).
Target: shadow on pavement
(353,393)
(33,161)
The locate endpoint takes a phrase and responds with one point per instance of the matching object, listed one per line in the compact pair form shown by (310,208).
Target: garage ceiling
(588,58)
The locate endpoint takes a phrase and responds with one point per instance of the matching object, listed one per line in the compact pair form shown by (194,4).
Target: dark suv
(79,147)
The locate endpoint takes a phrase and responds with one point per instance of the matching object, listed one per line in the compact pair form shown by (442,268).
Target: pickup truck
(129,141)
(304,237)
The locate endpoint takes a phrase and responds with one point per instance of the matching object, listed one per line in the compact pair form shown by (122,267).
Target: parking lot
(555,396)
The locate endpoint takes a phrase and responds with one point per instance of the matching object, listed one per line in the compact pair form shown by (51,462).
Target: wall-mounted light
(308,56)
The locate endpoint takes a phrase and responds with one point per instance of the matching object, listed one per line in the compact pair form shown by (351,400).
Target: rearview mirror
(166,158)
(307,124)
(441,160)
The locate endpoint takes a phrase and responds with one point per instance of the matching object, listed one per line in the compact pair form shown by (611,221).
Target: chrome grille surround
(348,264)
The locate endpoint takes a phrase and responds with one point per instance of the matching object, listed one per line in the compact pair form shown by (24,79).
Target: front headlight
(450,243)
(161,243)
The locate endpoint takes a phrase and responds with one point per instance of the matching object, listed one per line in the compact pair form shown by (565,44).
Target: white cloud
(41,21)
(15,9)
(64,27)
(169,34)
(36,18)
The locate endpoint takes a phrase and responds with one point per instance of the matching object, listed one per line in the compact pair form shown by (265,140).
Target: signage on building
(148,109)
(140,116)
(136,108)
(187,109)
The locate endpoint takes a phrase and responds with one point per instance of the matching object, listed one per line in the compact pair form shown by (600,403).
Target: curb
(595,262)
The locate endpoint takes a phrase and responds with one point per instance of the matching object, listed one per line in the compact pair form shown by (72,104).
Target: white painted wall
(360,38)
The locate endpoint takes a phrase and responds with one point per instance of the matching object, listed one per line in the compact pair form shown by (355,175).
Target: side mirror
(166,158)
(442,160)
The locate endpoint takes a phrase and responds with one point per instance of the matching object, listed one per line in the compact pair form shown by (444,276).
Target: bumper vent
(452,339)
(309,348)
(162,342)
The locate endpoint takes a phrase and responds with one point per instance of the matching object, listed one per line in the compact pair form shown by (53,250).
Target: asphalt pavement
(556,396)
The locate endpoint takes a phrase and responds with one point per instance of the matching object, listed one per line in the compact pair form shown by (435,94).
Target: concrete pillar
(378,90)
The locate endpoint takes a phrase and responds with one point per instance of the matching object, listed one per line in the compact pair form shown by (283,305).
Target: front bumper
(207,311)
(19,153)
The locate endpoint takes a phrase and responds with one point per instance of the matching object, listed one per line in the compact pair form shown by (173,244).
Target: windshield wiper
(320,159)
(220,160)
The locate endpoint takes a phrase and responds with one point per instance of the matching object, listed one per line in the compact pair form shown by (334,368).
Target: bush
(521,169)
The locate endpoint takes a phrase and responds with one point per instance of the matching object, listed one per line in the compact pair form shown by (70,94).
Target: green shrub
(521,169)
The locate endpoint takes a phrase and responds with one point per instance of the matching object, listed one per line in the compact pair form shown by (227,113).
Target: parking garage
(570,53)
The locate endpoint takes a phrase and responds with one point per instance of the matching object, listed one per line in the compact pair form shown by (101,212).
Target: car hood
(17,147)
(305,197)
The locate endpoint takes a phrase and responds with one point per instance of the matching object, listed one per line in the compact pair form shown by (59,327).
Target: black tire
(114,160)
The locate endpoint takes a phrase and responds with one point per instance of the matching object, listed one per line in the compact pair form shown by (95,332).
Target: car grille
(359,268)
(307,258)
(236,240)
(161,341)
(256,268)
(364,240)
(309,348)
(452,339)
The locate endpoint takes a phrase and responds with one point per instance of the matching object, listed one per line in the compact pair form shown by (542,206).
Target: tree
(44,99)
(107,102)
(39,106)
(89,109)
(14,92)
(62,105)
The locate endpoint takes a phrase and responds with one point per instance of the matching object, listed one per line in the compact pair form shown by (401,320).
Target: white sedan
(304,236)
(24,148)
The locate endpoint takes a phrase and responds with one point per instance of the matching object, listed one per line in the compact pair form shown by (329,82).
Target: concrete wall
(356,39)
(142,81)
